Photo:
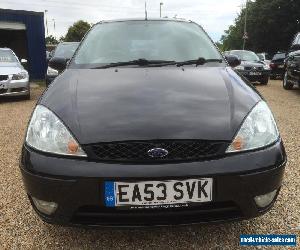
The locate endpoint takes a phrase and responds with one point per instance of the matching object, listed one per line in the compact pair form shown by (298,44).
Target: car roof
(5,49)
(143,19)
(66,43)
(241,50)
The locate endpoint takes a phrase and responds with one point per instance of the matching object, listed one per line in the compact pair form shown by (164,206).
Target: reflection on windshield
(151,40)
(7,56)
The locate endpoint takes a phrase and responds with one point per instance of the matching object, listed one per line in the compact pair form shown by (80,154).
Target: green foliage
(271,26)
(51,40)
(61,39)
(219,45)
(77,31)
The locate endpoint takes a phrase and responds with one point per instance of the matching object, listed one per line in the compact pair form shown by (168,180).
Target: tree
(271,26)
(77,31)
(219,45)
(51,40)
(61,39)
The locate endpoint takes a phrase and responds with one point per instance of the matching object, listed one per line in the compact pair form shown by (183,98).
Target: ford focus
(148,125)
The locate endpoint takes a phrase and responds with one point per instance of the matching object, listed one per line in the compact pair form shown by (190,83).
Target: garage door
(12,26)
(13,36)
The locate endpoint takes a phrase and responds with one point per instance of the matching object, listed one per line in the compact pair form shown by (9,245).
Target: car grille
(203,213)
(137,151)
(3,77)
(18,89)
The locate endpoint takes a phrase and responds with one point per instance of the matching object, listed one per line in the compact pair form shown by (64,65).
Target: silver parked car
(14,79)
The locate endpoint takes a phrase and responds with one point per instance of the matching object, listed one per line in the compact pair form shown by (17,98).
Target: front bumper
(15,87)
(278,72)
(254,78)
(77,187)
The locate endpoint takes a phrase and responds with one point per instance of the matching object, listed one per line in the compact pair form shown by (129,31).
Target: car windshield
(150,40)
(65,50)
(279,56)
(6,56)
(245,55)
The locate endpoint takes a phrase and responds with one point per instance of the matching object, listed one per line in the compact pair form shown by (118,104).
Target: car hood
(10,68)
(100,105)
(295,53)
(252,63)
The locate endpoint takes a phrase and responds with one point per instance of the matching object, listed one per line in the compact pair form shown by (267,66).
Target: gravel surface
(20,228)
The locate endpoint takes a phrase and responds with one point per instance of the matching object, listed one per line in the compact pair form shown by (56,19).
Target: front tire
(287,85)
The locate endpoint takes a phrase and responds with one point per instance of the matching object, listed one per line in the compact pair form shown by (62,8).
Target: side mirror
(23,61)
(233,61)
(58,63)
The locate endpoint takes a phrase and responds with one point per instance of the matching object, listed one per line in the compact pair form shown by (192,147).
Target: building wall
(35,31)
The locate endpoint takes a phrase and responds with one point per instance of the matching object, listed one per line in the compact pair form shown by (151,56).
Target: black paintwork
(277,66)
(233,60)
(208,102)
(78,184)
(151,103)
(254,67)
(293,67)
(59,62)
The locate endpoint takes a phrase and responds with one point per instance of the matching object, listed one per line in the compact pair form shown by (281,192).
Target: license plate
(255,73)
(157,193)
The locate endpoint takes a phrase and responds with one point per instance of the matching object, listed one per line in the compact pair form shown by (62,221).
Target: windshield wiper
(199,61)
(139,62)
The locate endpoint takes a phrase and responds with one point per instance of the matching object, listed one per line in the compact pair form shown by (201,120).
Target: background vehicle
(277,65)
(14,79)
(264,57)
(63,50)
(292,73)
(251,66)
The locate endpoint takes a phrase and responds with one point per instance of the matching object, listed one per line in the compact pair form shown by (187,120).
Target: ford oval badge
(157,152)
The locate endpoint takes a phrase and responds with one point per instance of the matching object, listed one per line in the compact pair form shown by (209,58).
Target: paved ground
(21,229)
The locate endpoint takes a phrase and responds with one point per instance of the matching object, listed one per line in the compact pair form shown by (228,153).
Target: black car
(148,125)
(63,50)
(292,73)
(251,67)
(277,66)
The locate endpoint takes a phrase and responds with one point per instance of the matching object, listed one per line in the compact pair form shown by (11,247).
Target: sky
(214,15)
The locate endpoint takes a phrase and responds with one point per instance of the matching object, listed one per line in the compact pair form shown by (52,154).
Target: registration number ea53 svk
(155,193)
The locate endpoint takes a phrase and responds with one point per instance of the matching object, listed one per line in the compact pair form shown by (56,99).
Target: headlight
(240,67)
(48,134)
(52,72)
(266,67)
(258,130)
(20,76)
